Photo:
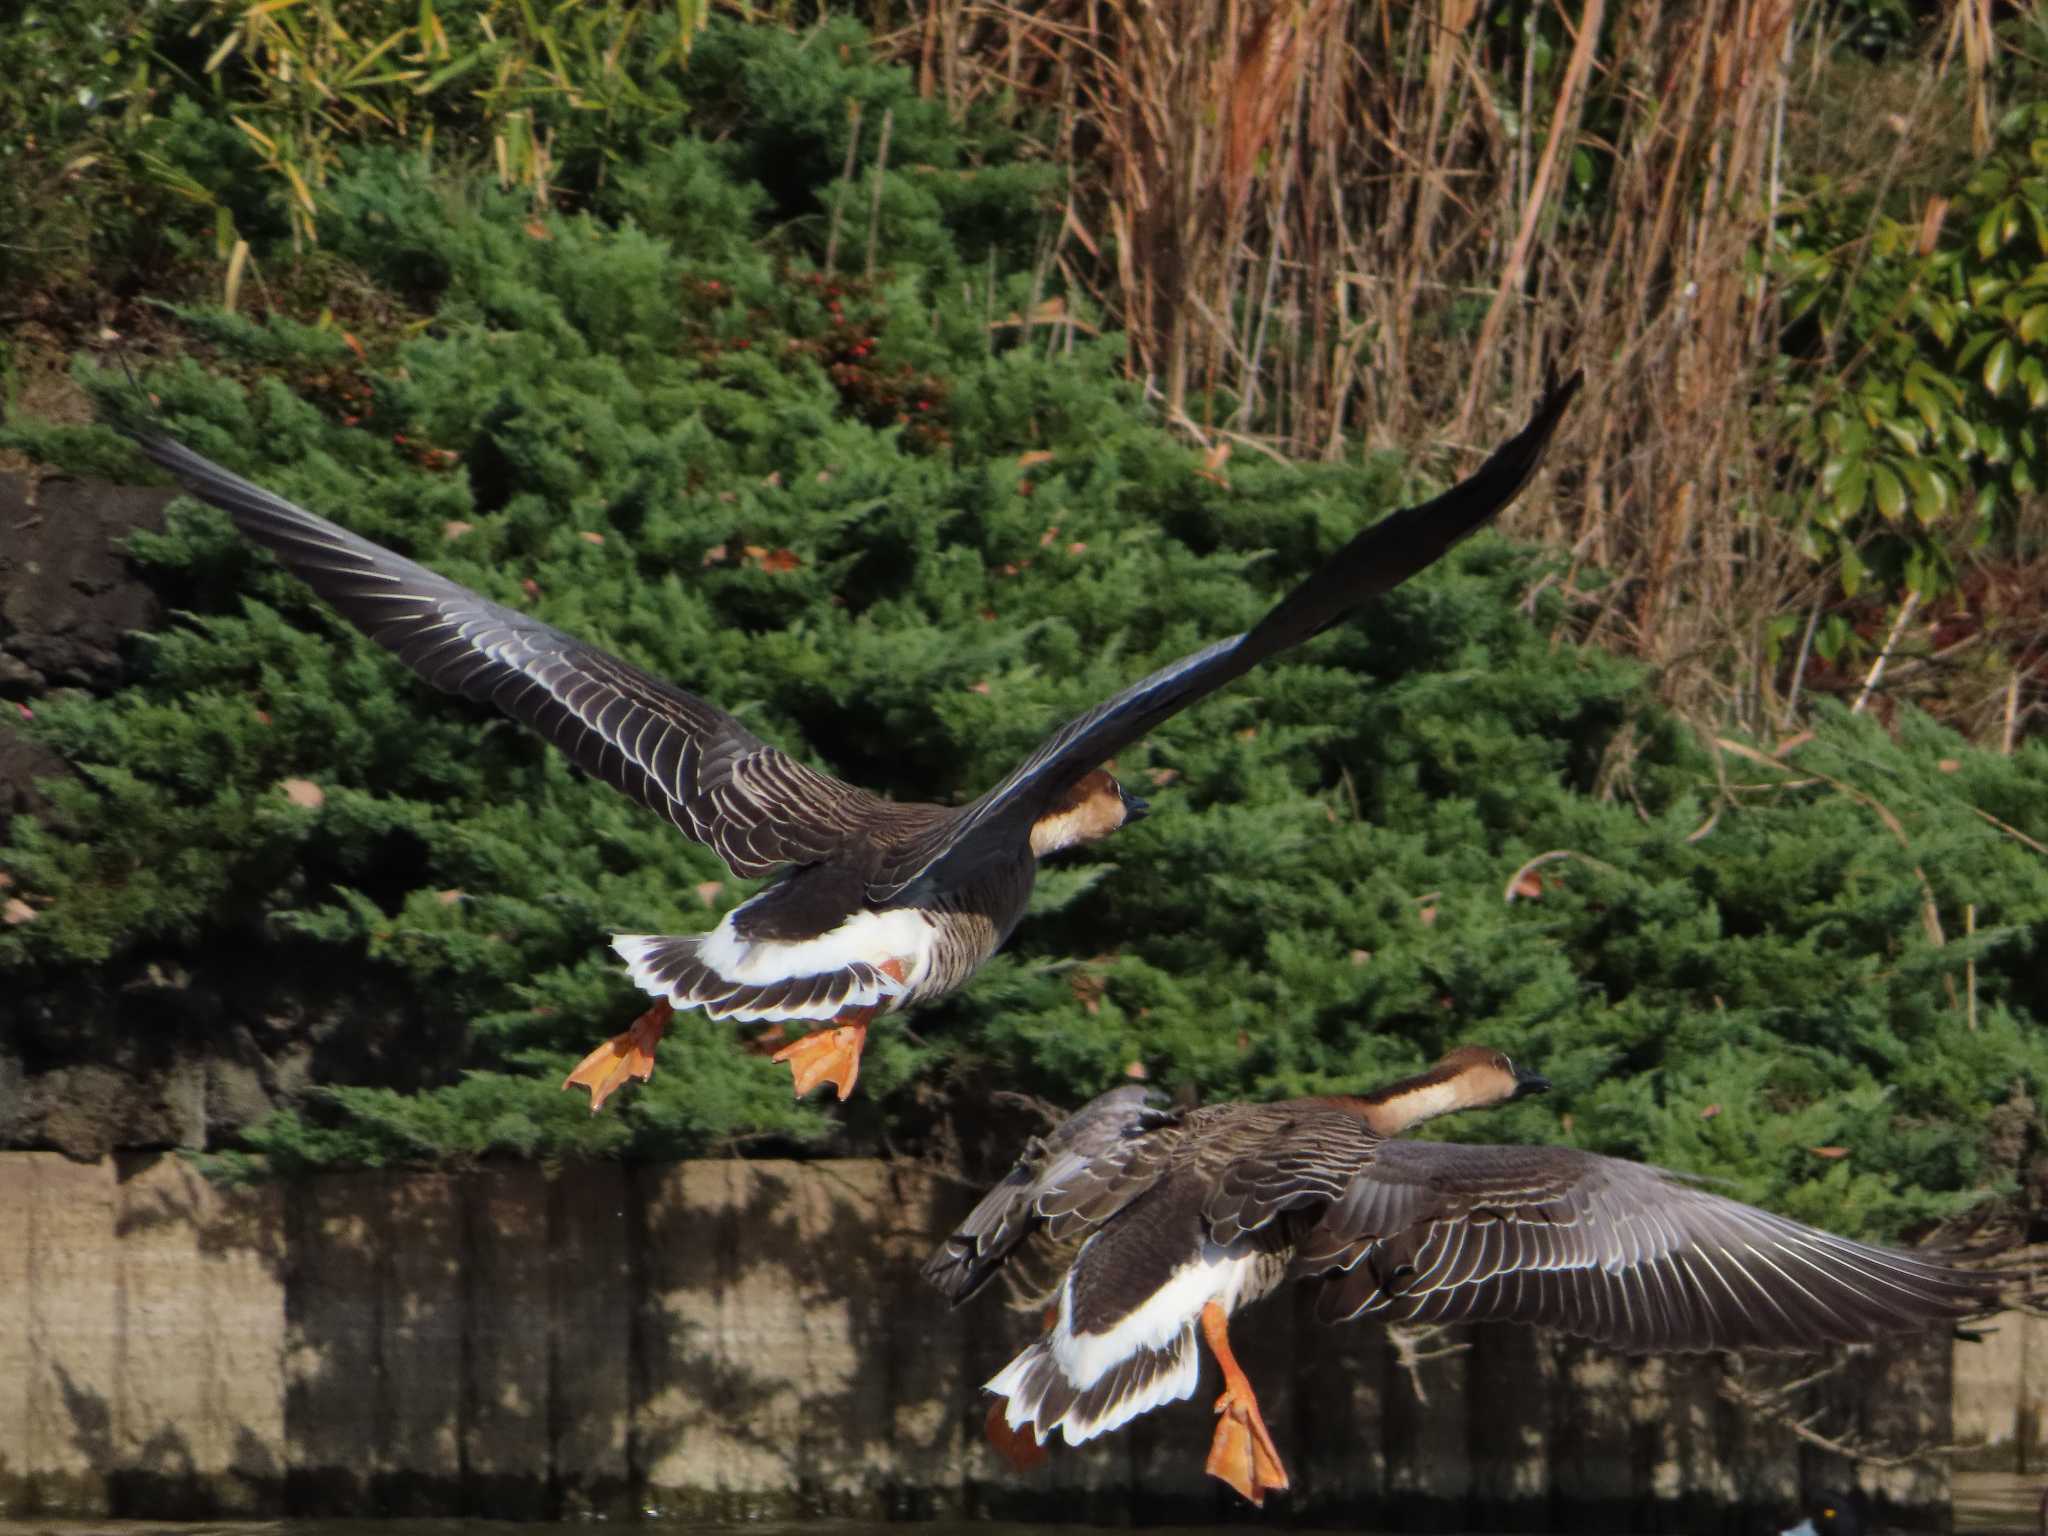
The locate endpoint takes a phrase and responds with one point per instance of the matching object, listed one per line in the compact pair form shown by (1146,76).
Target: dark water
(1985,1503)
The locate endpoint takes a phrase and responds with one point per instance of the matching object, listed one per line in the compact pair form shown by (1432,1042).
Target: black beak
(1527,1083)
(1134,808)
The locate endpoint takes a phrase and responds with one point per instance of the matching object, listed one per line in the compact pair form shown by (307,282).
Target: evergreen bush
(903,539)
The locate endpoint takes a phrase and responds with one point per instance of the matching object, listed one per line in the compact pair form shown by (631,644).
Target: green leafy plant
(1920,440)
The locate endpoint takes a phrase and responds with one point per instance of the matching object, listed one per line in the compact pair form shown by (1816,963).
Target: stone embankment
(751,1339)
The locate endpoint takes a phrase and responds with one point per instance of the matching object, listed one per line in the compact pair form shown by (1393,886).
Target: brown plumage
(1170,1222)
(877,905)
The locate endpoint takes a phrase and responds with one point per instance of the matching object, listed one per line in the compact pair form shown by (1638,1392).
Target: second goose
(1162,1223)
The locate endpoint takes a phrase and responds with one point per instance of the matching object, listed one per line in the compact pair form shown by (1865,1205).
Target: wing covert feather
(1089,1167)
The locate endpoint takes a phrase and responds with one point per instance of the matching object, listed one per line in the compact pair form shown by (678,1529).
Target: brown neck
(1400,1106)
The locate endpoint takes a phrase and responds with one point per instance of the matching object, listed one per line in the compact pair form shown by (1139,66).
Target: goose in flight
(877,904)
(1160,1224)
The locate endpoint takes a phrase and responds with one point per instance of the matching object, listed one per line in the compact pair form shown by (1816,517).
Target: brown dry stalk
(1329,226)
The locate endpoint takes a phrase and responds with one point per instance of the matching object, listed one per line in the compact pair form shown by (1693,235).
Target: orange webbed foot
(631,1054)
(830,1055)
(833,1055)
(1243,1453)
(1019,1447)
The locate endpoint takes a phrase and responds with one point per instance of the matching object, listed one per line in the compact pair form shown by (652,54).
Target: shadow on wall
(731,1340)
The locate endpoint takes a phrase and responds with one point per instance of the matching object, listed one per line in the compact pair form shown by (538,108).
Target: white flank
(1218,1274)
(870,937)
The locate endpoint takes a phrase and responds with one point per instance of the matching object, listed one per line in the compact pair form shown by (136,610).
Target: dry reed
(1331,226)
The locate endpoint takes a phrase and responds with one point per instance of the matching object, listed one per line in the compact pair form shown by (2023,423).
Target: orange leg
(833,1055)
(1019,1447)
(622,1056)
(1243,1453)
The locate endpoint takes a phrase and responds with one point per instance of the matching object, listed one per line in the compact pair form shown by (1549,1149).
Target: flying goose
(878,905)
(1166,1223)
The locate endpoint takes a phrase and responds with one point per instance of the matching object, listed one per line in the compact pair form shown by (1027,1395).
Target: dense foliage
(1919,364)
(894,530)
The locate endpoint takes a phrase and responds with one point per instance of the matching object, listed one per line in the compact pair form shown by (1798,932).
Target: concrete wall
(739,1339)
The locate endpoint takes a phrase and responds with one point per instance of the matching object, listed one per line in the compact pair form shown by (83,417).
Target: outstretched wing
(1624,1254)
(1376,561)
(756,807)
(1093,1163)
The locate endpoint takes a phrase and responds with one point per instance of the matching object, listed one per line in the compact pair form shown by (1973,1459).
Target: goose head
(1093,808)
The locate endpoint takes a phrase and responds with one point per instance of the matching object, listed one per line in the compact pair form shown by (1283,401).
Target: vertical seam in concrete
(33,1455)
(123,1321)
(470,1204)
(551,1396)
(639,1336)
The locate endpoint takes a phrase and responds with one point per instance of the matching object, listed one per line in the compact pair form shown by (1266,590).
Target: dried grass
(1328,227)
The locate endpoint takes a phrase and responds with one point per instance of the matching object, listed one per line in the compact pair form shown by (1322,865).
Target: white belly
(872,937)
(1224,1275)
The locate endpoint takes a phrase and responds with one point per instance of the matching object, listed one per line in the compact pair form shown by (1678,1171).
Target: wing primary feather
(618,723)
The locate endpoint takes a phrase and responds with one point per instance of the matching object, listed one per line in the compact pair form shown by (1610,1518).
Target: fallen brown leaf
(1710,1111)
(16,912)
(708,891)
(455,529)
(1035,456)
(591,536)
(304,792)
(448,898)
(1829,1152)
(780,561)
(1087,987)
(1136,1072)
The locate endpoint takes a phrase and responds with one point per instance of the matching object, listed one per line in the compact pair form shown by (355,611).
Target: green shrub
(893,538)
